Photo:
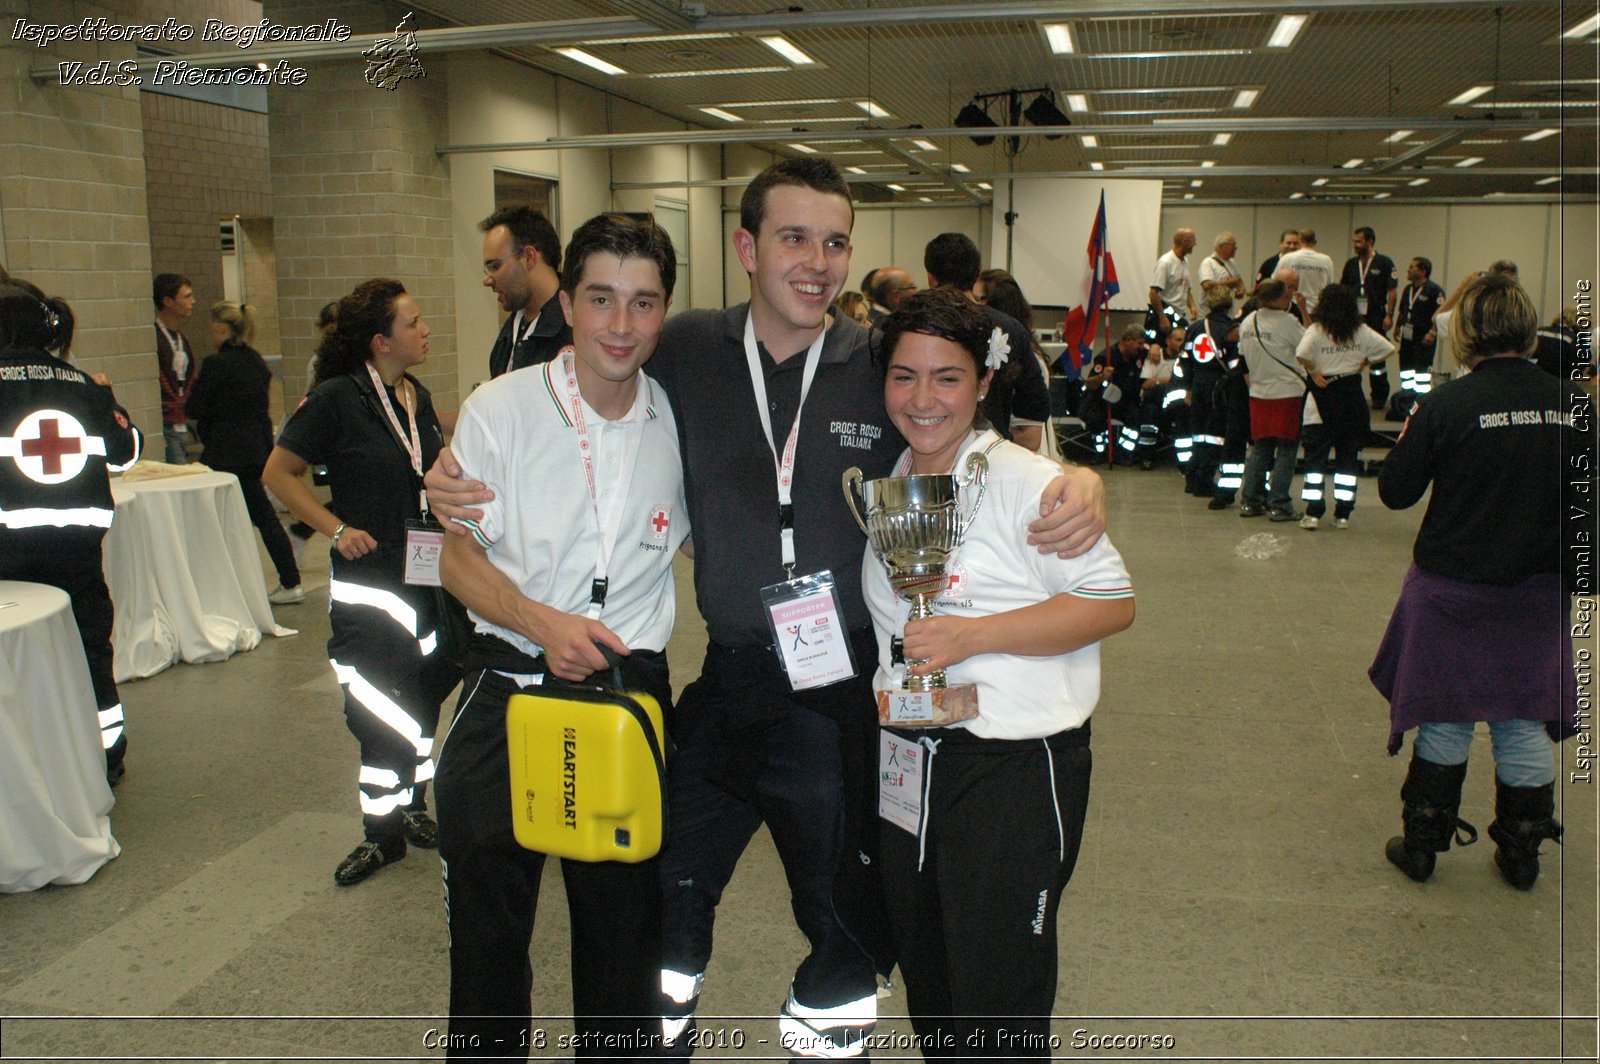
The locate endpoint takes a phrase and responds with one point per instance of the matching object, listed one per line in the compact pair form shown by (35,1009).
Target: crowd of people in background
(1232,381)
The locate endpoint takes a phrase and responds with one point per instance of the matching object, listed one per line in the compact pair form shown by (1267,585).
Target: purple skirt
(1459,652)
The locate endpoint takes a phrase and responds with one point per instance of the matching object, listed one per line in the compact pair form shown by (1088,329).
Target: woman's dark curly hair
(1337,314)
(941,312)
(363,314)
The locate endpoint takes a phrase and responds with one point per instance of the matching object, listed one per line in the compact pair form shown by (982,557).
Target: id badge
(1406,332)
(424,546)
(900,763)
(808,630)
(1361,305)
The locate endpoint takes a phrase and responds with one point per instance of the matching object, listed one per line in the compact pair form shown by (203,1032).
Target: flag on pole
(1099,285)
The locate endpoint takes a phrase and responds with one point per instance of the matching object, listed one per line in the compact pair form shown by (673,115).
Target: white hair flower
(999,349)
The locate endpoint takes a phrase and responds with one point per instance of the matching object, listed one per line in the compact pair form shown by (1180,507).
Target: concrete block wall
(72,199)
(203,163)
(359,192)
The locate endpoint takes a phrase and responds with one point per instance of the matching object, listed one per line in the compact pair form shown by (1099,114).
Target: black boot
(1523,818)
(1432,797)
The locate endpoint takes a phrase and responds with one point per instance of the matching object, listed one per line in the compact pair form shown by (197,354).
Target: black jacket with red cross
(60,436)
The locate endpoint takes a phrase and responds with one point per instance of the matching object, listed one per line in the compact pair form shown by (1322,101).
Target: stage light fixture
(974,117)
(1044,112)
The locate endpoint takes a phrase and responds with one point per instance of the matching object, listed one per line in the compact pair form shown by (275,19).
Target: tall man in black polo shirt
(1414,326)
(748,385)
(521,262)
(1375,280)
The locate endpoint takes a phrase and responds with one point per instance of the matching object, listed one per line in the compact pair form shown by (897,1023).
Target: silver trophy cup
(914,525)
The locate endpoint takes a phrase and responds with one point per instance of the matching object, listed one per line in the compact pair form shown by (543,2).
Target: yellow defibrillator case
(588,773)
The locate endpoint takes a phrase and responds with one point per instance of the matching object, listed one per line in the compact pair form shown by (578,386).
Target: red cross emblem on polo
(50,446)
(660,521)
(1205,349)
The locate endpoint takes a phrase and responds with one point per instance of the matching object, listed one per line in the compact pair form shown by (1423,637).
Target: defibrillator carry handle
(614,660)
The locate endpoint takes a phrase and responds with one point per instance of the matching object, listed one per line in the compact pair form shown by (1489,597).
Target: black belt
(749,651)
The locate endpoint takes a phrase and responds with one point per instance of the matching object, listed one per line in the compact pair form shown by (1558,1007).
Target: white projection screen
(1050,240)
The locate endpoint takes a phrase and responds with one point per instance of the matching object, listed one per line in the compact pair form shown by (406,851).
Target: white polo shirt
(995,571)
(1269,341)
(1316,273)
(540,530)
(1172,278)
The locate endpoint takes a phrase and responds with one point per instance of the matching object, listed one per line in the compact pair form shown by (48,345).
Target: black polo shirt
(728,469)
(1382,278)
(342,425)
(1419,315)
(550,334)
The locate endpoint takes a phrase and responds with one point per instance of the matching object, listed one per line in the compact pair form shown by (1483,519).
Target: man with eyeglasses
(890,286)
(521,257)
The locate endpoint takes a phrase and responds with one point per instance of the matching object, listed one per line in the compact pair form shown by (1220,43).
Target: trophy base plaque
(904,708)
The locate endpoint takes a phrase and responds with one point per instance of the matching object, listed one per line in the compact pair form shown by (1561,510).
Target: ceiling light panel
(594,62)
(1469,95)
(1285,30)
(1058,36)
(786,48)
(1583,29)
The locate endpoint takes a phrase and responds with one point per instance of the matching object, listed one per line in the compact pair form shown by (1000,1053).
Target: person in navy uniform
(373,425)
(61,433)
(1375,280)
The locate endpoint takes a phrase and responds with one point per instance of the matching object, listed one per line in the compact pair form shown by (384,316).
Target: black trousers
(265,518)
(750,751)
(973,904)
(492,897)
(78,571)
(392,690)
(1208,419)
(1233,415)
(1346,423)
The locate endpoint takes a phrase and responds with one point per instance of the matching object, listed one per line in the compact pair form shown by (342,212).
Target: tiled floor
(1232,894)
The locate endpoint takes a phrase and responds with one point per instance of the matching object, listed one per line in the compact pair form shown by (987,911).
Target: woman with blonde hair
(853,305)
(228,406)
(1480,632)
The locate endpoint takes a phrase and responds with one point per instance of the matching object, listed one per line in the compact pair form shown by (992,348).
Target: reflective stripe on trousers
(381,793)
(831,1033)
(680,993)
(111,721)
(353,594)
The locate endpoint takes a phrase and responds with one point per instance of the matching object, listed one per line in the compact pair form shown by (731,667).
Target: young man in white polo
(574,553)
